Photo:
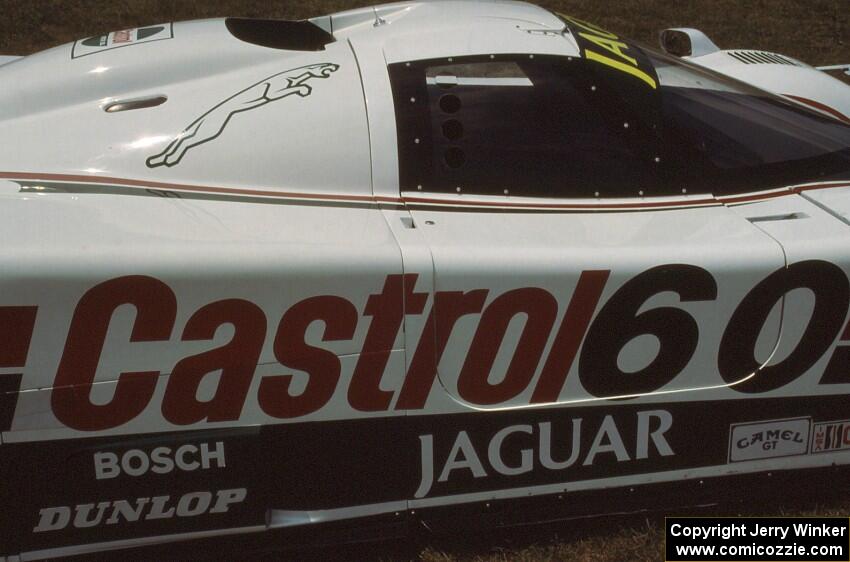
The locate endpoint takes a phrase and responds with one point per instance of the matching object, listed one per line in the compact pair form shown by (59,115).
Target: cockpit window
(521,125)
(620,121)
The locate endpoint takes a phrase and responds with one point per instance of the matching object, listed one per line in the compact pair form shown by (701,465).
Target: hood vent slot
(135,103)
(760,57)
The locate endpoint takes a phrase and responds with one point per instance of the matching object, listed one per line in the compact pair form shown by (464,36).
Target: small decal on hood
(123,38)
(211,124)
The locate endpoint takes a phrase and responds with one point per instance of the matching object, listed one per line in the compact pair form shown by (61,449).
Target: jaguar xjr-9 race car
(374,269)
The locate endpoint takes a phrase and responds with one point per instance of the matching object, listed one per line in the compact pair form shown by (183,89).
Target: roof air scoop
(300,35)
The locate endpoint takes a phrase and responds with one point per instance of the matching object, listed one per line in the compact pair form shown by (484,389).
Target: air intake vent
(136,103)
(760,57)
(280,34)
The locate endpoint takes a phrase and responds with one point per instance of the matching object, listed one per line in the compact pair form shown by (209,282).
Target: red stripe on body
(573,328)
(467,201)
(821,106)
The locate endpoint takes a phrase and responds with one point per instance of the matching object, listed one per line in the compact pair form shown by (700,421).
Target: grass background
(815,31)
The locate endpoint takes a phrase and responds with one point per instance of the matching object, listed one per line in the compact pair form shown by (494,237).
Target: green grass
(815,31)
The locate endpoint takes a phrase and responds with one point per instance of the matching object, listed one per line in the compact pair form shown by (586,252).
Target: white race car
(308,279)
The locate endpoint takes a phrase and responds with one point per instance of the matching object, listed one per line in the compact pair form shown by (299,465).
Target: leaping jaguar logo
(211,124)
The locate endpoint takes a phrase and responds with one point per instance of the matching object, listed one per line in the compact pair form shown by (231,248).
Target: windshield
(712,133)
(723,136)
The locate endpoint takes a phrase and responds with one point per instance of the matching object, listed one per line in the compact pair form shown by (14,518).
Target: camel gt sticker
(769,439)
(123,38)
(211,124)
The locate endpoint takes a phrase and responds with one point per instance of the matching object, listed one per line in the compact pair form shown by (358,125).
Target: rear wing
(845,68)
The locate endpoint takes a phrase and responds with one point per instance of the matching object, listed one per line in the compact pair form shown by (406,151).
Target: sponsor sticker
(123,38)
(769,439)
(187,457)
(88,515)
(614,53)
(831,436)
(544,450)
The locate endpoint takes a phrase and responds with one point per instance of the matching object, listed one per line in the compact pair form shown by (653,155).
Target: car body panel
(227,310)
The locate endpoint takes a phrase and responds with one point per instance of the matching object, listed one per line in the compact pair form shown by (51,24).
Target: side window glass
(522,125)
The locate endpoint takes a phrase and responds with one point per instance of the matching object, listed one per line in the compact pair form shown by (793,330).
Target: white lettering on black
(161,460)
(91,515)
(511,452)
